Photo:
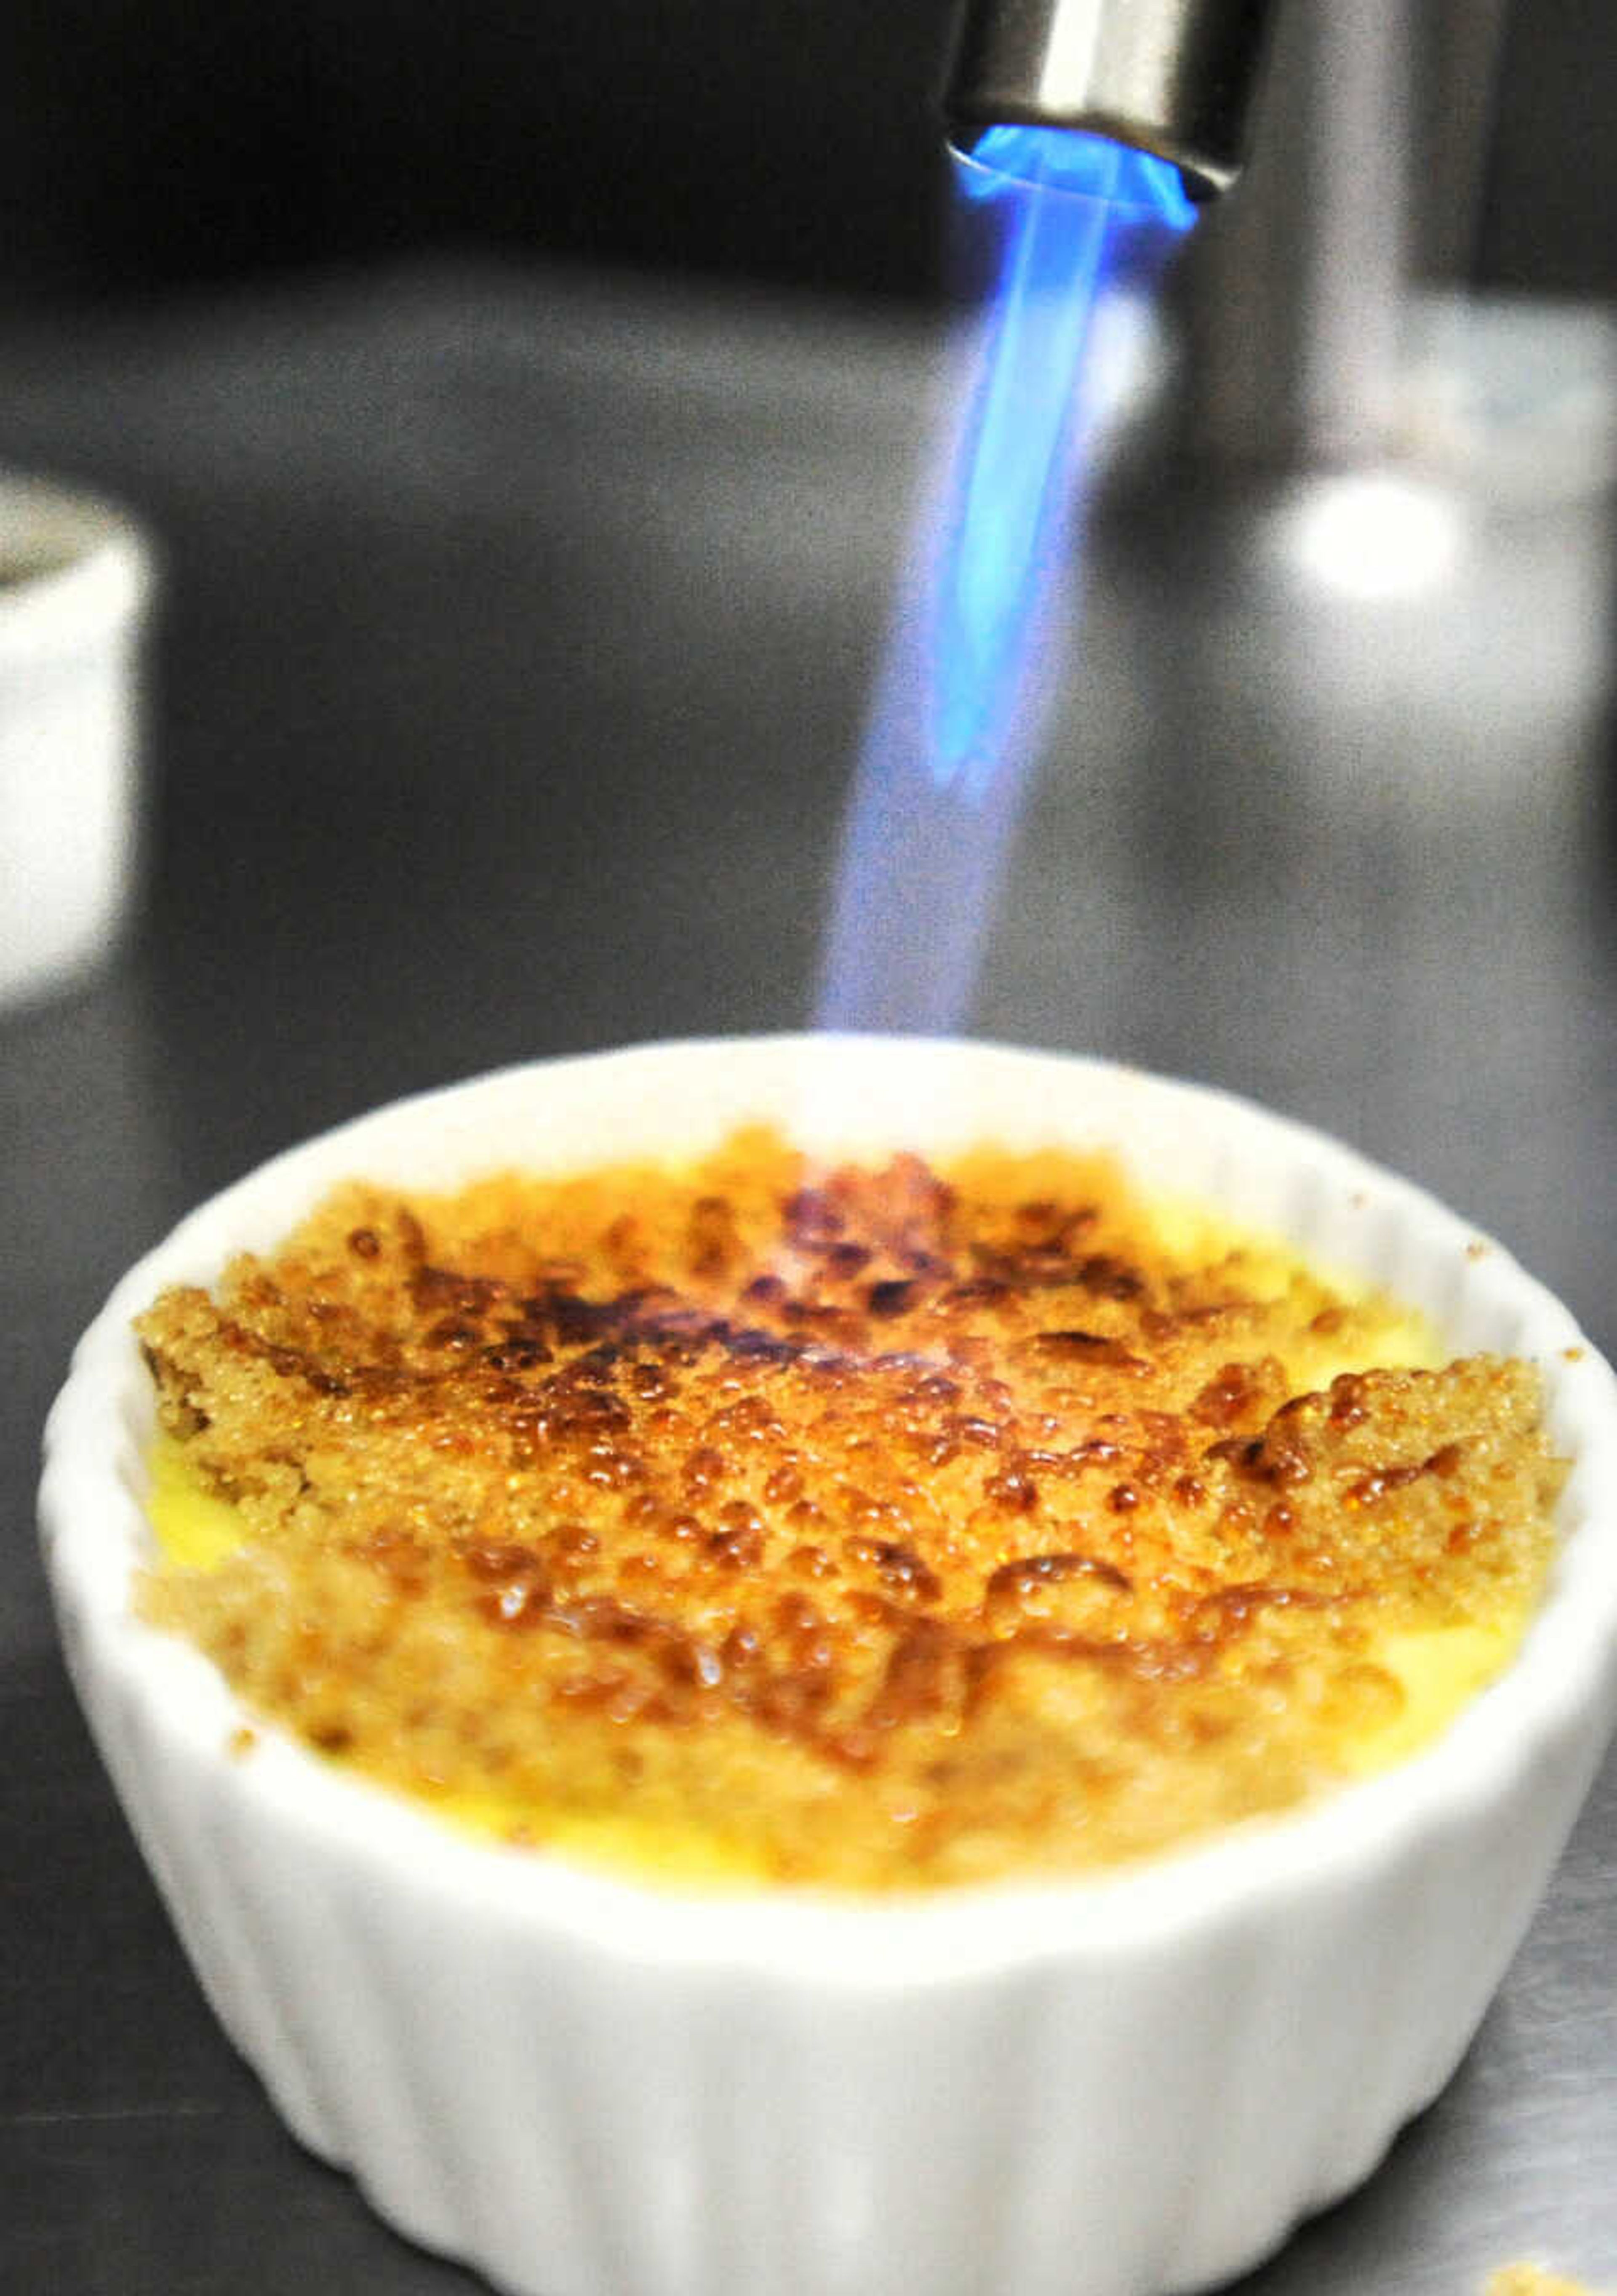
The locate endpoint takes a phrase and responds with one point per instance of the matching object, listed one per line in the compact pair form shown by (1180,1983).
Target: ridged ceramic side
(586,2089)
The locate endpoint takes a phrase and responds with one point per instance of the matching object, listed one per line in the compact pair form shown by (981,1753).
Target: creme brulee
(866,1528)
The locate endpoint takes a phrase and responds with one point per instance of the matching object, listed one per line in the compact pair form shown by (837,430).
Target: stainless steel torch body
(1172,76)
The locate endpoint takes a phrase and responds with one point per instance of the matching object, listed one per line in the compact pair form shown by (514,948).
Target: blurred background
(158,148)
(526,408)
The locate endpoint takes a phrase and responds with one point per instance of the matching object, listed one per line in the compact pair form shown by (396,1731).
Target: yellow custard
(1534,2280)
(873,1527)
(196,1529)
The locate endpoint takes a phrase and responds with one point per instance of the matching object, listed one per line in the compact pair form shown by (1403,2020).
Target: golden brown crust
(888,1527)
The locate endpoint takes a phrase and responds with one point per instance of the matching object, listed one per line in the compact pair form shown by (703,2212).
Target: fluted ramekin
(588,2088)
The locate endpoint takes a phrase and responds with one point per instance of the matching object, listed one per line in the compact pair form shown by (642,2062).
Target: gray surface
(515,643)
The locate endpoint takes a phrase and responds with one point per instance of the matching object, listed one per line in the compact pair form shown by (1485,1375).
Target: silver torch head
(1171,76)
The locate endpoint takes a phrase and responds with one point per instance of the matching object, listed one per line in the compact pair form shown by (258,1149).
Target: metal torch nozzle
(1172,76)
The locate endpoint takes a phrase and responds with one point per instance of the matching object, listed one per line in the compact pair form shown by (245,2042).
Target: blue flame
(1075,208)
(1066,161)
(955,726)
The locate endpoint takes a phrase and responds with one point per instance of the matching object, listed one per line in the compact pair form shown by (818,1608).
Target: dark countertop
(515,641)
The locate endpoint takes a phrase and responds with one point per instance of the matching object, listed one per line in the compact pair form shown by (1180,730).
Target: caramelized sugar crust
(870,1527)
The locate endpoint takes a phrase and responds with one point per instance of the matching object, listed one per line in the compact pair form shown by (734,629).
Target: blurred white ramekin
(590,2088)
(75,577)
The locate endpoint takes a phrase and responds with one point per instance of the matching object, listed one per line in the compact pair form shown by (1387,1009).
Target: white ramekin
(590,2088)
(76,580)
